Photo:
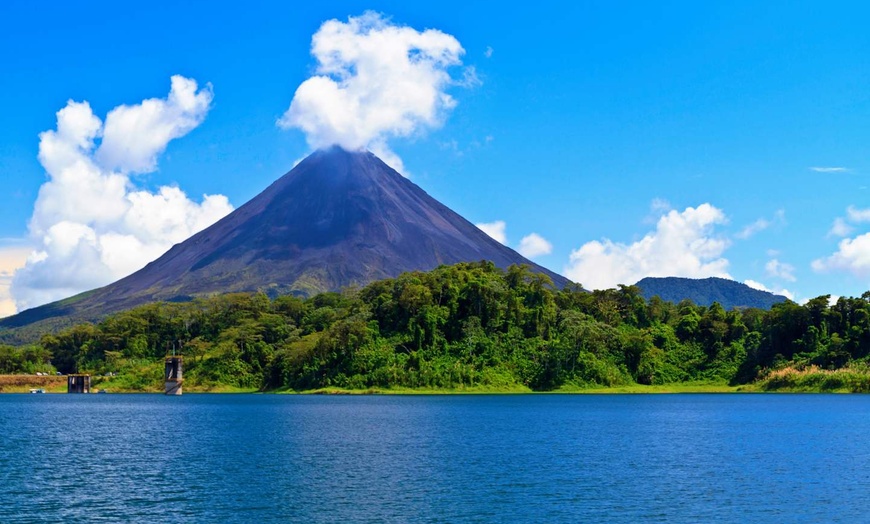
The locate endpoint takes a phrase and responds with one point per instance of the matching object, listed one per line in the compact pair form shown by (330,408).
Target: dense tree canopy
(470,324)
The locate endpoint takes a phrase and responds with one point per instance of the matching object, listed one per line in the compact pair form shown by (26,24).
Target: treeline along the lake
(462,326)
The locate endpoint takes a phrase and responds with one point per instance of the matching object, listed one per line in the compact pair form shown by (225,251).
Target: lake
(478,458)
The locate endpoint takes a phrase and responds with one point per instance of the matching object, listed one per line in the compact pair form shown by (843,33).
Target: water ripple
(264,459)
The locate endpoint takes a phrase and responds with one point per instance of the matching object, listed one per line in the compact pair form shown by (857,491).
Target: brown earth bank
(24,383)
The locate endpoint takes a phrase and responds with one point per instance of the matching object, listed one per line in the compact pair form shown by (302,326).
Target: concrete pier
(78,383)
(173,375)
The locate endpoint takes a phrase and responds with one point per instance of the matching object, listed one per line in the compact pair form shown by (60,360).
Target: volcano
(337,219)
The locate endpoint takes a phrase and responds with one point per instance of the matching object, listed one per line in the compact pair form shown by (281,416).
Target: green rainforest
(467,327)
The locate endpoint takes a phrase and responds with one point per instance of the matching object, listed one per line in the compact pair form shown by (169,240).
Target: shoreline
(57,384)
(17,384)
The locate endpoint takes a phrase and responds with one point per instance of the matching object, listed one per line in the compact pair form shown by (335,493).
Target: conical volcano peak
(338,156)
(337,150)
(334,153)
(339,218)
(341,165)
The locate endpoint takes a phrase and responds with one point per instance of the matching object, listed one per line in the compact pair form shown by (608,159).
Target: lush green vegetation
(471,327)
(26,359)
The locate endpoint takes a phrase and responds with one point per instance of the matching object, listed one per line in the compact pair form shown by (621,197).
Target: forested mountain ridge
(705,291)
(461,326)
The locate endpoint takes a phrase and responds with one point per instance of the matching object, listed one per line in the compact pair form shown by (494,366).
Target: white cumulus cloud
(534,245)
(91,225)
(852,255)
(374,81)
(12,258)
(684,244)
(494,229)
(133,136)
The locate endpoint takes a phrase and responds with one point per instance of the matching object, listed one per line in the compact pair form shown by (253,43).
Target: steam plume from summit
(374,81)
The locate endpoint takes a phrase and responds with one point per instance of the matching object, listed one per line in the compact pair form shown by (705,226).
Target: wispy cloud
(840,228)
(778,269)
(829,169)
(760,225)
(657,208)
(858,215)
(660,206)
(469,78)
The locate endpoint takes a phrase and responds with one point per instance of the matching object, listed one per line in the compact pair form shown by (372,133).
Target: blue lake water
(532,458)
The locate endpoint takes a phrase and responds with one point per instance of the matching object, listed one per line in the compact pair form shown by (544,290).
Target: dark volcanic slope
(705,291)
(337,219)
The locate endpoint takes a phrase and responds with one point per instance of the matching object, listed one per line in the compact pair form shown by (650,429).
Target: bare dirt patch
(24,383)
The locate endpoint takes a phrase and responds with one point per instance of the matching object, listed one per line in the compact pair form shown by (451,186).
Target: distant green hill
(706,291)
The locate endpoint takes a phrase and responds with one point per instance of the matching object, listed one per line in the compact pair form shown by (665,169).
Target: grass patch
(678,387)
(813,379)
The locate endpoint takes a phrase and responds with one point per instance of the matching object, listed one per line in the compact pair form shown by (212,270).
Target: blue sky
(675,138)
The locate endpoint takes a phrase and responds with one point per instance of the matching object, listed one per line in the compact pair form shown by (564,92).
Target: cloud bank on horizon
(684,244)
(687,244)
(375,81)
(91,224)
